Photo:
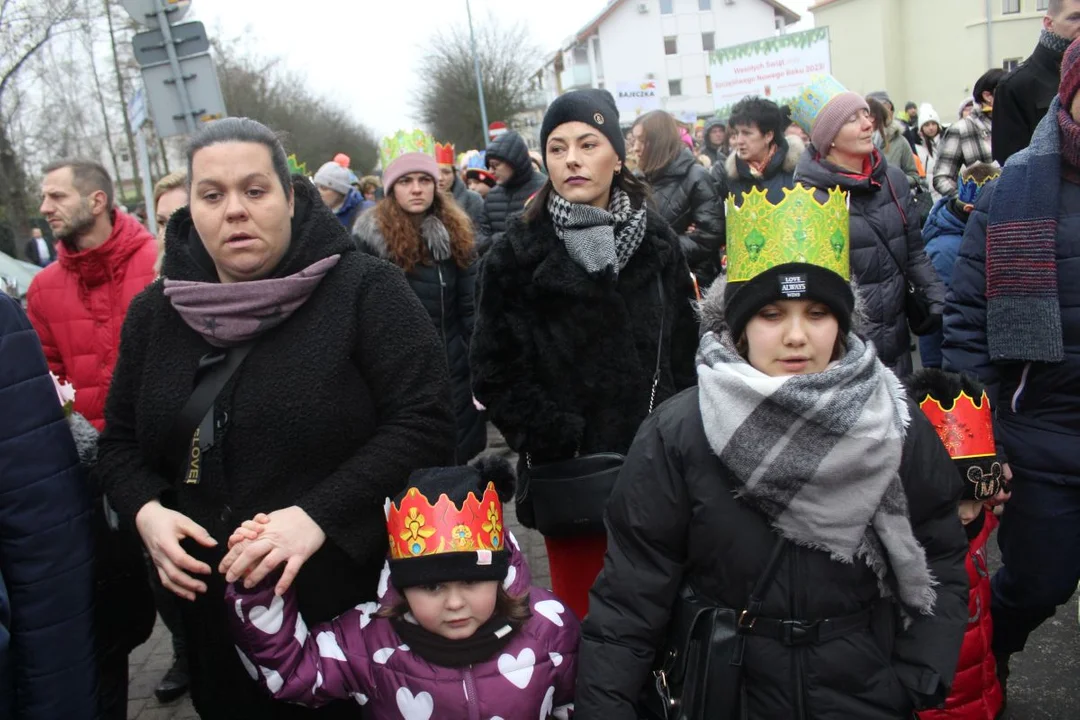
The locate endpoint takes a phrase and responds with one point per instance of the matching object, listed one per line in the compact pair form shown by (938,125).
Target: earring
(618,170)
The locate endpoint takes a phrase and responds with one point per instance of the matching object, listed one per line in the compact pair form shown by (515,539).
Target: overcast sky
(363,53)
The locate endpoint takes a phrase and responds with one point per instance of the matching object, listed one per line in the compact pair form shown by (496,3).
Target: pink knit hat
(409,163)
(834,116)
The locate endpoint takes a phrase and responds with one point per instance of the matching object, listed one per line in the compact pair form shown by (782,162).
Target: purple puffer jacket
(360,656)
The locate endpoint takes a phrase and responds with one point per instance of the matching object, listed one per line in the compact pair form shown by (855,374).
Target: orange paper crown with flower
(444,154)
(967,429)
(419,529)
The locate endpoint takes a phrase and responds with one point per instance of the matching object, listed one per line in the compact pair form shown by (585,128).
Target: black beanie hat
(791,281)
(592,107)
(468,562)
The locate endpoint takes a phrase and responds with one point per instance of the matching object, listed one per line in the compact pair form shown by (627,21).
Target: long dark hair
(626,181)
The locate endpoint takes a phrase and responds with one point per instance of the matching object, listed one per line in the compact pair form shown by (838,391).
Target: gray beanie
(333,176)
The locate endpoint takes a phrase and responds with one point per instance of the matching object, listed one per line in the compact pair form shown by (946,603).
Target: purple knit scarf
(229,314)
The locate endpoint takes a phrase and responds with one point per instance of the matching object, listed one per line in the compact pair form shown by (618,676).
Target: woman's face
(453,610)
(638,133)
(792,337)
(240,209)
(931,129)
(750,143)
(167,204)
(856,137)
(415,192)
(582,164)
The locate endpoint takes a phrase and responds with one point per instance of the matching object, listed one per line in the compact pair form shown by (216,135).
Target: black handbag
(569,496)
(698,675)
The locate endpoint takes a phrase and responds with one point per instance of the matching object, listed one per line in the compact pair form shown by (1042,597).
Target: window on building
(667,7)
(1042,4)
(674,88)
(671,47)
(708,41)
(704,4)
(1010,64)
(1009,7)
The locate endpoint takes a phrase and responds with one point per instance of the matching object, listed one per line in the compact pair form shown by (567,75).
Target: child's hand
(241,538)
(969,510)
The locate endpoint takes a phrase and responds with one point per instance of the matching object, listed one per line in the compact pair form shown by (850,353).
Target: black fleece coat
(674,519)
(507,200)
(1021,100)
(446,291)
(331,411)
(564,362)
(684,194)
(887,250)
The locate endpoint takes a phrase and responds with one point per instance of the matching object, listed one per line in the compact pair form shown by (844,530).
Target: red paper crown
(444,154)
(967,430)
(418,529)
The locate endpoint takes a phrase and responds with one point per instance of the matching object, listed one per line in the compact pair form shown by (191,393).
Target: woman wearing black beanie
(584,324)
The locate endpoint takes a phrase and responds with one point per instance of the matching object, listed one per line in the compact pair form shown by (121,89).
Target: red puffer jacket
(78,304)
(976,694)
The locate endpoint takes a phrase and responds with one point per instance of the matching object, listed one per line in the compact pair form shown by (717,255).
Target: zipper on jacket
(470,694)
(797,613)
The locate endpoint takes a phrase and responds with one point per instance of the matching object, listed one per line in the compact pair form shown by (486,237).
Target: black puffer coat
(446,291)
(565,362)
(684,194)
(504,201)
(735,178)
(469,201)
(331,411)
(674,518)
(881,213)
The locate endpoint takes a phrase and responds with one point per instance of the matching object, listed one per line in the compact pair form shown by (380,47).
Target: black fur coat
(564,362)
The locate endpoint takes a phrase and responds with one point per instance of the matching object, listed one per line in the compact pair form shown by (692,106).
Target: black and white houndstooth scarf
(599,239)
(819,455)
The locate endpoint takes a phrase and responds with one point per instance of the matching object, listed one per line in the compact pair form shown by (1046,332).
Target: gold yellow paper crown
(799,229)
(417,528)
(402,143)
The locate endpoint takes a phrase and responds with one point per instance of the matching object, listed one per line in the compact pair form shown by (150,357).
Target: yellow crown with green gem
(799,229)
(403,142)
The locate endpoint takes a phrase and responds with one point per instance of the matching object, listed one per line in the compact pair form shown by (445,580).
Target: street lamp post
(479,78)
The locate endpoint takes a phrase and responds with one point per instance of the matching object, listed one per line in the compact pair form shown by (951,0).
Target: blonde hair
(172,181)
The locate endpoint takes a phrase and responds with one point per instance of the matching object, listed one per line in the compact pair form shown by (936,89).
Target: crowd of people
(268,424)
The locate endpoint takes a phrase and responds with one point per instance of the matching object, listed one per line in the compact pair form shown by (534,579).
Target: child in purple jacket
(457,633)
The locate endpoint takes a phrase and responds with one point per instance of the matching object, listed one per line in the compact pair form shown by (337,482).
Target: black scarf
(489,639)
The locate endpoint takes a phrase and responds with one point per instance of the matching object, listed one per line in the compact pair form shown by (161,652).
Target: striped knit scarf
(819,455)
(598,240)
(1023,313)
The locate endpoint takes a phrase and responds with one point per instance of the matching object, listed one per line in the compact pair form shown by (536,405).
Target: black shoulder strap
(757,595)
(659,345)
(214,372)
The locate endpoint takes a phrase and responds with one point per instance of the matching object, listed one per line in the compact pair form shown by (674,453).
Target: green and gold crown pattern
(403,142)
(761,235)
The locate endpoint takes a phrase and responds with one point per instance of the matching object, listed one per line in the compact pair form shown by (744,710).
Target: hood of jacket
(715,122)
(95,266)
(679,166)
(316,234)
(942,221)
(814,170)
(352,200)
(511,148)
(367,232)
(786,159)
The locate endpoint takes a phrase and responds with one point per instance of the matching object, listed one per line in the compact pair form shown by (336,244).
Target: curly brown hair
(403,242)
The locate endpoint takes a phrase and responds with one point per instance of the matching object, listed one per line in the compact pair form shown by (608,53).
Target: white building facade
(667,42)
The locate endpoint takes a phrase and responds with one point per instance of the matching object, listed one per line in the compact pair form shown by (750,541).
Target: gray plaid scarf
(819,455)
(598,239)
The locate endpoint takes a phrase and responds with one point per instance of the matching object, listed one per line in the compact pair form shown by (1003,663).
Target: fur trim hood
(711,309)
(795,148)
(368,235)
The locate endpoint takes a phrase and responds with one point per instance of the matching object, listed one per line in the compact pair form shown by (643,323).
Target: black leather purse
(569,496)
(699,675)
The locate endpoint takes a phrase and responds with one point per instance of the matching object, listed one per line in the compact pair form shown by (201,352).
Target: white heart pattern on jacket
(511,576)
(419,707)
(556,658)
(382,655)
(269,620)
(301,631)
(548,704)
(384,579)
(366,610)
(552,610)
(248,665)
(328,646)
(518,670)
(273,679)
(360,698)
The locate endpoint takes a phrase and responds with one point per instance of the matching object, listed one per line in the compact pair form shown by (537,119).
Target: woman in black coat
(797,444)
(572,301)
(887,252)
(344,391)
(762,157)
(427,235)
(683,193)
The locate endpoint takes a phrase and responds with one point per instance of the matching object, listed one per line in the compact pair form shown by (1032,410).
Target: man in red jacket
(77,304)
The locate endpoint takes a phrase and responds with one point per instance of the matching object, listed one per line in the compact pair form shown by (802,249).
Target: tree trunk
(13,188)
(101,104)
(164,154)
(123,105)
